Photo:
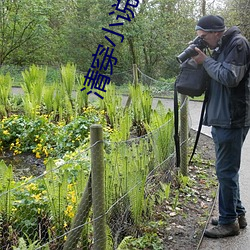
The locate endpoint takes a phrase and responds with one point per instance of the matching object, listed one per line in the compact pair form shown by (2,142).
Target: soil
(25,164)
(187,222)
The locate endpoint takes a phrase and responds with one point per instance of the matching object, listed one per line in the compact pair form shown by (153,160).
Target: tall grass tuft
(161,128)
(6,184)
(68,74)
(112,105)
(82,98)
(5,89)
(141,106)
(33,85)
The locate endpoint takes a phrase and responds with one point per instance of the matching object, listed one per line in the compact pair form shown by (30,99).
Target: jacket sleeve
(234,66)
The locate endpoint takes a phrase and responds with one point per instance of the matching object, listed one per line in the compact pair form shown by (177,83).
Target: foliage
(22,23)
(161,126)
(43,137)
(5,89)
(33,85)
(47,32)
(112,106)
(141,106)
(147,241)
(51,200)
(6,184)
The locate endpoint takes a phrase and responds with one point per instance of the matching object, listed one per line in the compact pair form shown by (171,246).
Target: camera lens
(187,53)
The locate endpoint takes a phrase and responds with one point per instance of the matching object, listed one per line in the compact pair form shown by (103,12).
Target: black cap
(210,23)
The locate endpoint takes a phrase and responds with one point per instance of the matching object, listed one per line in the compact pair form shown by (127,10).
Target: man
(228,112)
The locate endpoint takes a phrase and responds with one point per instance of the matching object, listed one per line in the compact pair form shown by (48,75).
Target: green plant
(184,181)
(5,89)
(30,207)
(68,74)
(164,191)
(33,86)
(111,104)
(176,199)
(82,98)
(141,104)
(48,98)
(23,246)
(161,128)
(147,241)
(6,196)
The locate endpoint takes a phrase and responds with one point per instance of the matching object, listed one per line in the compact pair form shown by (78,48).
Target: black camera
(190,51)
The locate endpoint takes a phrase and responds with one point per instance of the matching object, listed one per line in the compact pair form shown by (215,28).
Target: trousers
(228,146)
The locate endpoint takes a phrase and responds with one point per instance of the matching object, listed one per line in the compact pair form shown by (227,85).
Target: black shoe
(221,231)
(241,219)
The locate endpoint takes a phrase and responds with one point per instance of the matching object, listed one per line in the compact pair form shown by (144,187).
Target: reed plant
(58,103)
(82,98)
(34,80)
(48,97)
(6,184)
(5,90)
(111,104)
(56,184)
(68,74)
(141,105)
(161,130)
(126,172)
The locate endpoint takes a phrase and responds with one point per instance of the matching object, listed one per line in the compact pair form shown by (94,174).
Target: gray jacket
(228,103)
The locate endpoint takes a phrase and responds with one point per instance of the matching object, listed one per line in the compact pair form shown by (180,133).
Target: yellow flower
(38,155)
(31,186)
(37,196)
(6,132)
(69,211)
(12,145)
(73,199)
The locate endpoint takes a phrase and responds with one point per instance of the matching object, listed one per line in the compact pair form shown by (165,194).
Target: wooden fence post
(80,218)
(135,74)
(98,194)
(184,135)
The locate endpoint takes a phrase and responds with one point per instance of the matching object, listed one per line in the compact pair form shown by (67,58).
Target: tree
(21,21)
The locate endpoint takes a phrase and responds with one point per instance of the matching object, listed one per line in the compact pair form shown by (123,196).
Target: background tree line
(54,32)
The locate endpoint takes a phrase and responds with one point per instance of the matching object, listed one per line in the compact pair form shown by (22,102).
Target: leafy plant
(161,126)
(5,89)
(141,105)
(6,184)
(147,241)
(68,74)
(33,86)
(48,98)
(111,104)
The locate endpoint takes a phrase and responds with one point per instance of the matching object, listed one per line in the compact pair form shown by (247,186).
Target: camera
(190,51)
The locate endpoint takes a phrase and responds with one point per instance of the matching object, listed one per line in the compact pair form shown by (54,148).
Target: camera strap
(199,127)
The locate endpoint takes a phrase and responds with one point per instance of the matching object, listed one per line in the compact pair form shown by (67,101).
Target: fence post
(184,135)
(98,195)
(135,78)
(135,74)
(80,218)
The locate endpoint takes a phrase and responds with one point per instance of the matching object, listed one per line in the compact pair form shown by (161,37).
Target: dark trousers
(228,145)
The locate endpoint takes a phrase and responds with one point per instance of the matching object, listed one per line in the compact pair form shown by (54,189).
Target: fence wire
(44,210)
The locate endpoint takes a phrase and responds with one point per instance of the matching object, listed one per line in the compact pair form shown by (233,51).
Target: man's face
(211,38)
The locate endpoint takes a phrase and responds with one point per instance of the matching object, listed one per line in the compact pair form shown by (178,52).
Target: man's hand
(200,58)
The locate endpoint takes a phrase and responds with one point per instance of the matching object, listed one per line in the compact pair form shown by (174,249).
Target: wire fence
(55,210)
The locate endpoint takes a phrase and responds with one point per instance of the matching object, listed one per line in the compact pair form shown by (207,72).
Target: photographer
(228,112)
